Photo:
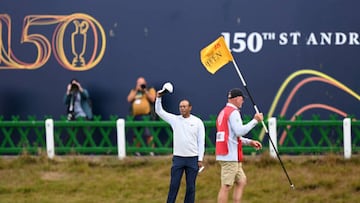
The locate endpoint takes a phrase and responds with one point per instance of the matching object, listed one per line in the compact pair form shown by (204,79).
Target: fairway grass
(326,178)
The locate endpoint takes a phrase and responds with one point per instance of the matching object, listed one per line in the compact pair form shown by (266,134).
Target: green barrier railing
(100,137)
(315,136)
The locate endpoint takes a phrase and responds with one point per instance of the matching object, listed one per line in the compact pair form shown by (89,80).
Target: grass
(25,178)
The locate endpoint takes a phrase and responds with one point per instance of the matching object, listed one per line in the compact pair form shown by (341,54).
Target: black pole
(257,111)
(272,143)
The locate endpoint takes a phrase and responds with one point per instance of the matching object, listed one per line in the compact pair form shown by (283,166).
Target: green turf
(24,178)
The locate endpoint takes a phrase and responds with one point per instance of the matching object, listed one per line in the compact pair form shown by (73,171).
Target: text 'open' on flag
(215,55)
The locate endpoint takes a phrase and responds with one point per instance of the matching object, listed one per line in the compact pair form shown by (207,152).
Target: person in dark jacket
(77,100)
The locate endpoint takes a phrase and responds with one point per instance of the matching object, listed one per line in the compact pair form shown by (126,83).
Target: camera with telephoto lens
(74,87)
(143,86)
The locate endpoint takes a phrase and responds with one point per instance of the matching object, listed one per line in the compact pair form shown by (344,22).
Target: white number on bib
(220,136)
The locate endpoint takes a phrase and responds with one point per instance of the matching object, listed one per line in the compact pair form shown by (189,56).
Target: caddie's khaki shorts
(231,172)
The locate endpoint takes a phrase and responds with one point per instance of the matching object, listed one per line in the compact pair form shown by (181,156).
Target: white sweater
(188,133)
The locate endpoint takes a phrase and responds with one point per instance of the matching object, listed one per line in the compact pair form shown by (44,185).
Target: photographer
(142,101)
(77,101)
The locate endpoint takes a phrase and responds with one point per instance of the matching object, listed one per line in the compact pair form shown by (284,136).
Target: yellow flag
(215,55)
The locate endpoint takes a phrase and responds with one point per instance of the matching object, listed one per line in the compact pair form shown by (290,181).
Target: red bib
(222,135)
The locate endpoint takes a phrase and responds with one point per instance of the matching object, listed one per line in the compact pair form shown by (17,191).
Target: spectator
(78,101)
(229,141)
(189,147)
(142,100)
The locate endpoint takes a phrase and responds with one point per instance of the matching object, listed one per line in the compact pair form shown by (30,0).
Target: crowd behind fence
(114,136)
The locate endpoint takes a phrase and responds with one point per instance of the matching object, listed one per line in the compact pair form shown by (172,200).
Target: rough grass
(327,178)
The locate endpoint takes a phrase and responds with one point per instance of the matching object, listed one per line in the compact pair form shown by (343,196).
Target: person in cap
(188,145)
(229,141)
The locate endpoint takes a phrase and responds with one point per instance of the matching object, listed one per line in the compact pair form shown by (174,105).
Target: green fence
(100,137)
(315,136)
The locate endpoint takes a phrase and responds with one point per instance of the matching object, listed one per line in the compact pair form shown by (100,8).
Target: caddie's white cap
(167,87)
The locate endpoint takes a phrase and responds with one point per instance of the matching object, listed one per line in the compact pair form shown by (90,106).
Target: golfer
(229,141)
(188,146)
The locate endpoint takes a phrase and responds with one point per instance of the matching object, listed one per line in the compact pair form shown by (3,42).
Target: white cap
(167,87)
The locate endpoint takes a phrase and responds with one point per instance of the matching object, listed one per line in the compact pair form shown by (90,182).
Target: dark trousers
(179,165)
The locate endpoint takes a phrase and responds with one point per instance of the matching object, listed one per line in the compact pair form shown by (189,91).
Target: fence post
(347,137)
(49,129)
(120,128)
(273,136)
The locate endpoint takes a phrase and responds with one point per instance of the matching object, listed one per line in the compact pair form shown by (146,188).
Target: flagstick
(266,130)
(252,100)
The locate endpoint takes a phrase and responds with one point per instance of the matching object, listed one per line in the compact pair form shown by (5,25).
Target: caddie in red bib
(229,141)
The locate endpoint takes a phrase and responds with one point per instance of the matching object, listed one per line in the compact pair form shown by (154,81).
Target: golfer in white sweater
(188,147)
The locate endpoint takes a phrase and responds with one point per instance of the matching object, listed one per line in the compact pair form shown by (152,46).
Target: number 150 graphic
(83,26)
